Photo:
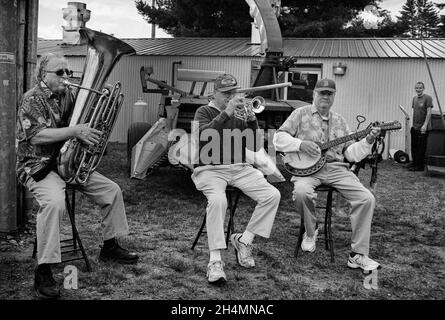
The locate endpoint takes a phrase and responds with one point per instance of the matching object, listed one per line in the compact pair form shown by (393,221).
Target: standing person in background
(422,105)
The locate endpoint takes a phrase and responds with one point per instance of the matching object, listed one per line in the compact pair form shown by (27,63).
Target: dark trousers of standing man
(418,147)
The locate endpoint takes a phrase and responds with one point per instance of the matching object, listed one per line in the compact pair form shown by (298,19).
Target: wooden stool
(233,195)
(329,242)
(73,245)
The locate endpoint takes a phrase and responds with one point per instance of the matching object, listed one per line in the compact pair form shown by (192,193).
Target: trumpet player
(225,112)
(42,127)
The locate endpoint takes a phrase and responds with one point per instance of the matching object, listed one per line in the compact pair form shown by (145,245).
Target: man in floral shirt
(42,127)
(316,123)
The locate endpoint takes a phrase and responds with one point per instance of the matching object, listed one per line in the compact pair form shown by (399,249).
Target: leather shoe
(118,254)
(45,286)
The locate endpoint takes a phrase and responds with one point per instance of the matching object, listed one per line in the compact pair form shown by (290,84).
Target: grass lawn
(165,211)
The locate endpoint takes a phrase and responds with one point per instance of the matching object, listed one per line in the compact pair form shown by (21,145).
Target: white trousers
(213,180)
(50,195)
(348,184)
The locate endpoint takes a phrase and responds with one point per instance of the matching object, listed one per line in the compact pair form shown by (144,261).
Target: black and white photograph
(229,157)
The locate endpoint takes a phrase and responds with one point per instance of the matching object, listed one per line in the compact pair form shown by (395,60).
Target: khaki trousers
(50,195)
(348,184)
(213,180)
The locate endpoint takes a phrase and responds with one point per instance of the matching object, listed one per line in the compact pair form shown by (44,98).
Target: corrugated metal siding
(372,87)
(240,47)
(363,48)
(127,72)
(375,88)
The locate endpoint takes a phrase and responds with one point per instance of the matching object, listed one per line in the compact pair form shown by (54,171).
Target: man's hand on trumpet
(233,105)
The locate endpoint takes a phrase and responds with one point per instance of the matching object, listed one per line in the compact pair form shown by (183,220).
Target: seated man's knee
(369,197)
(114,188)
(275,195)
(302,191)
(56,204)
(217,200)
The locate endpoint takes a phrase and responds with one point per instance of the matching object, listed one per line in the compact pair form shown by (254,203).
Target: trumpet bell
(258,104)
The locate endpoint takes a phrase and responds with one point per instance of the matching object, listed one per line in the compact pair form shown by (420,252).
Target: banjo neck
(357,135)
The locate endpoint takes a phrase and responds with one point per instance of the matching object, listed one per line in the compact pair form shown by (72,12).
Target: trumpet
(256,105)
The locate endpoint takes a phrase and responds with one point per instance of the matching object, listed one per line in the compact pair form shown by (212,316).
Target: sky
(117,17)
(120,18)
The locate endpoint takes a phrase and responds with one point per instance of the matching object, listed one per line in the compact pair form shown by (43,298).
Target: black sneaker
(118,254)
(45,286)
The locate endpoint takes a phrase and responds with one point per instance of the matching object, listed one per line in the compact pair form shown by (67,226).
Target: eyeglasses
(60,72)
(325,93)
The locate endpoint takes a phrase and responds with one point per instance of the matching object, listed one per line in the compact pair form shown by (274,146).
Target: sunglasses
(325,93)
(60,72)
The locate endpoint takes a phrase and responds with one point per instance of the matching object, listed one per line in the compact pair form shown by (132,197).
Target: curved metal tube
(95,106)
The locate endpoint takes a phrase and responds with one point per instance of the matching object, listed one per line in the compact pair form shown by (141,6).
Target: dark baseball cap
(325,85)
(226,82)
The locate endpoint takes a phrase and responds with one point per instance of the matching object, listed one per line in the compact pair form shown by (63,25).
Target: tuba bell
(95,106)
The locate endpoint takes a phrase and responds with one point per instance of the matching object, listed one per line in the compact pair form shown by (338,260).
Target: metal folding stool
(329,242)
(72,245)
(233,195)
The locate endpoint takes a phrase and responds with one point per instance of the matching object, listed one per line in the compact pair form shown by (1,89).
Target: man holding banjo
(297,137)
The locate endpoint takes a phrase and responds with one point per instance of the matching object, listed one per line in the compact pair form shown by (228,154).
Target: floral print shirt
(40,109)
(306,123)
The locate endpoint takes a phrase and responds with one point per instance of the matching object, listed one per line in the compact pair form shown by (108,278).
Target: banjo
(301,164)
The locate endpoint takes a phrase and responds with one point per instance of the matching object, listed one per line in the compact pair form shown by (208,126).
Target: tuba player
(42,128)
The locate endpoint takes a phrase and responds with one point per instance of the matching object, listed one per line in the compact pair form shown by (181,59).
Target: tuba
(95,106)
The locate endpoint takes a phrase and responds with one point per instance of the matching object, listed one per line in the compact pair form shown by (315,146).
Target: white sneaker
(215,272)
(364,262)
(308,243)
(243,251)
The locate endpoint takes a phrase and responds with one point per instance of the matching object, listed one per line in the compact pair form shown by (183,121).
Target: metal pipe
(261,88)
(174,63)
(66,82)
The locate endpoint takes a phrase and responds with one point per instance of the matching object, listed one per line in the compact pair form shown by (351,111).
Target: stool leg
(328,204)
(300,236)
(76,236)
(70,208)
(232,208)
(200,231)
(34,250)
(328,230)
(229,225)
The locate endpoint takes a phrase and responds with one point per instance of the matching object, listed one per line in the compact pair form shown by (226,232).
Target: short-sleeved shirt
(306,123)
(420,107)
(40,109)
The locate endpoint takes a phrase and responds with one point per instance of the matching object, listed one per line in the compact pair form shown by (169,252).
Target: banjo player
(301,133)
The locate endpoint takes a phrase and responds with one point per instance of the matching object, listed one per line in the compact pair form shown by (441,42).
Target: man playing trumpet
(42,127)
(226,112)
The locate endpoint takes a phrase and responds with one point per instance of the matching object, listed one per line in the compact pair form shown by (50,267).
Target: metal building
(373,75)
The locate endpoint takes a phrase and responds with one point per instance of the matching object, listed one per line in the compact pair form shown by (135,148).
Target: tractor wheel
(135,132)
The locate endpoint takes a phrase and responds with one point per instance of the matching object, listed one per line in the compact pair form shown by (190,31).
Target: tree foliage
(298,18)
(419,18)
(231,18)
(203,18)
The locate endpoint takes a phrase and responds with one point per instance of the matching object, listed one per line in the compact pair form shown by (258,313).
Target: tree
(203,18)
(231,18)
(419,18)
(319,18)
(383,26)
